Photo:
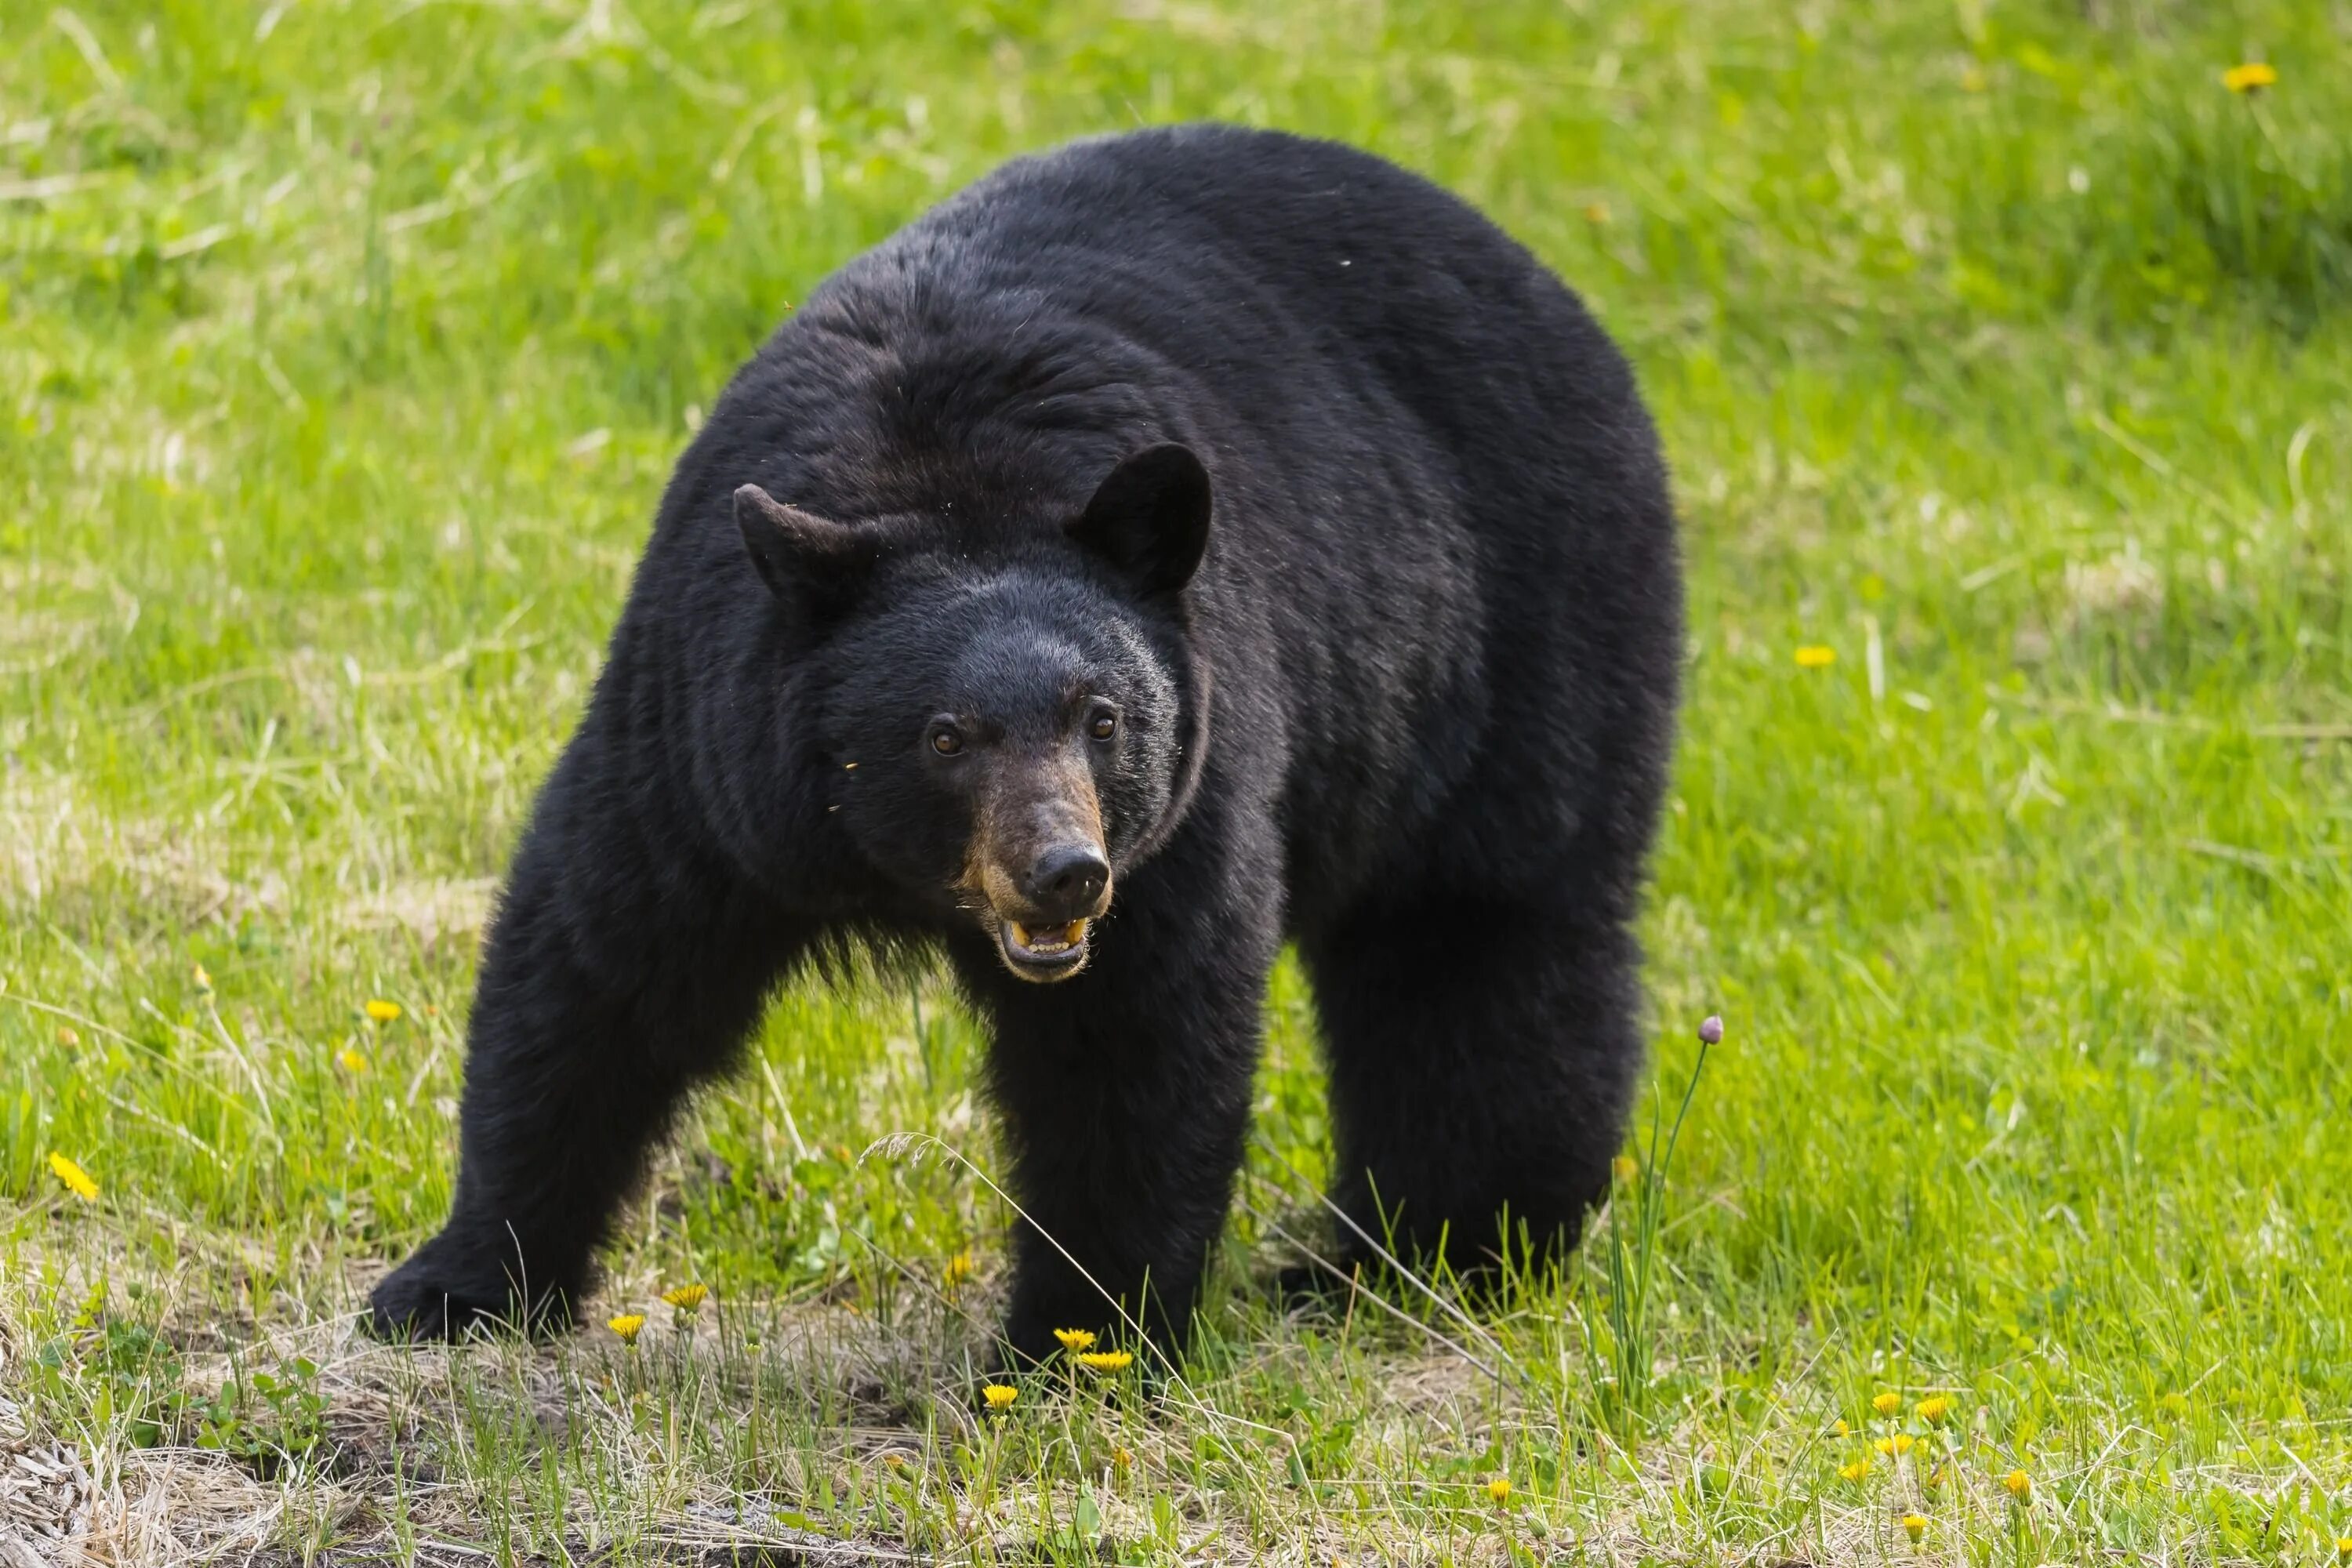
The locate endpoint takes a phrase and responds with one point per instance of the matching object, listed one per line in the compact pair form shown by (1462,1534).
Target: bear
(1176,544)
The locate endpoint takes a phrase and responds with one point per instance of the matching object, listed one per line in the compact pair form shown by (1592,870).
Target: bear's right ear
(801,556)
(1150,517)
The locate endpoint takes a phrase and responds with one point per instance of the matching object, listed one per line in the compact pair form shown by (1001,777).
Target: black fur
(1413,709)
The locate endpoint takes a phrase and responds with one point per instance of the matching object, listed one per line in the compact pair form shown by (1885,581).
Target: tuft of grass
(1624,1374)
(2002,351)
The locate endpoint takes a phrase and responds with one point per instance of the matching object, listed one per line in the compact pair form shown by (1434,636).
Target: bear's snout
(1040,864)
(1066,882)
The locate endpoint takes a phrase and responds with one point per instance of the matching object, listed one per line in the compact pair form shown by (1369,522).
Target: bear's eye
(1103,725)
(945,741)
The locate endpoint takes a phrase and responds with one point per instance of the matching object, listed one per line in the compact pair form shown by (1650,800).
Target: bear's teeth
(1051,940)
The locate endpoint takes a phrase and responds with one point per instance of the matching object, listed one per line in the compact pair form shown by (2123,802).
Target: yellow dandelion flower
(380,1011)
(2020,1484)
(1888,1404)
(628,1326)
(1839,1428)
(77,1180)
(1901,1443)
(2251,77)
(1914,1525)
(66,1036)
(1121,1460)
(351,1060)
(999,1395)
(204,979)
(687,1299)
(1500,1489)
(1813,656)
(896,1461)
(1624,1167)
(958,1269)
(1074,1339)
(1105,1360)
(1935,1407)
(1856,1470)
(2343,1549)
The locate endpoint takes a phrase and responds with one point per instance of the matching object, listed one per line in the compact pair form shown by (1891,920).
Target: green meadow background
(2001,349)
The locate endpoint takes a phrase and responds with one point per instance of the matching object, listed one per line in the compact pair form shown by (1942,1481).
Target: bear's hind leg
(1482,1061)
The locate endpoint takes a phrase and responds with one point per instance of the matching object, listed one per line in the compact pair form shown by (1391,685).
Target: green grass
(343,350)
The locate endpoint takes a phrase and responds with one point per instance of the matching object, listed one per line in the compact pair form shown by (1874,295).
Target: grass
(2000,348)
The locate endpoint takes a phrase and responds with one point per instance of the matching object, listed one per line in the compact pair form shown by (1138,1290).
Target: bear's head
(1010,727)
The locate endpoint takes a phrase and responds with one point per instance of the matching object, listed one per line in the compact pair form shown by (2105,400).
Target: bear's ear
(801,556)
(1150,517)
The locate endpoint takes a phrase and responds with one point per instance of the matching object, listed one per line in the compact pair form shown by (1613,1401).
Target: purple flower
(1710,1033)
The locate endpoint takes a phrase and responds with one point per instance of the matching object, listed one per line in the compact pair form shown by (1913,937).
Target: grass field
(2001,349)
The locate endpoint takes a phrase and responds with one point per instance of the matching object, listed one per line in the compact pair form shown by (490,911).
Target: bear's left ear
(1150,517)
(801,556)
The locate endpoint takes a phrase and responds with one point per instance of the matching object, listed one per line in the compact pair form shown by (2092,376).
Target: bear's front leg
(1125,1094)
(626,964)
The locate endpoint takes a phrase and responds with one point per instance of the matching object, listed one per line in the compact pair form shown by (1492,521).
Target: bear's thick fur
(1221,533)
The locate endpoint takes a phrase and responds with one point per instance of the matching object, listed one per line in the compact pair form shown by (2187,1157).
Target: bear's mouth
(1043,952)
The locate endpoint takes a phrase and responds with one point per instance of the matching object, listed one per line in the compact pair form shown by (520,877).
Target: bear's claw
(423,1299)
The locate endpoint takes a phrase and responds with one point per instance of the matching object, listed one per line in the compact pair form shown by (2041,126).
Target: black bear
(1175,543)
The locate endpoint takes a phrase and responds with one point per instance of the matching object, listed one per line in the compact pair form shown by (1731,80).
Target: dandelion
(1624,1167)
(1935,1407)
(204,979)
(1856,1470)
(896,1461)
(957,1270)
(77,1180)
(628,1326)
(380,1011)
(1813,656)
(1105,1360)
(1914,1525)
(998,1394)
(1500,1489)
(66,1036)
(1121,1460)
(2251,77)
(1899,1444)
(2018,1484)
(1074,1339)
(1888,1404)
(1840,1429)
(2343,1549)
(687,1298)
(352,1062)
(1710,1029)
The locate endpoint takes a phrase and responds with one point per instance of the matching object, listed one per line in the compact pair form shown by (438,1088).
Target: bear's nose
(1067,881)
